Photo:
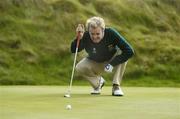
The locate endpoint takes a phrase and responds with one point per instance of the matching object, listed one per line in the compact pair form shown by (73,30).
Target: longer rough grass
(37,34)
(47,102)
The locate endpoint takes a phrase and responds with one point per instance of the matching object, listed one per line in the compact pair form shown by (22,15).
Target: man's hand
(108,68)
(80,30)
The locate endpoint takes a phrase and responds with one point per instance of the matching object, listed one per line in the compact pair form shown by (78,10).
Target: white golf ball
(67,96)
(68,107)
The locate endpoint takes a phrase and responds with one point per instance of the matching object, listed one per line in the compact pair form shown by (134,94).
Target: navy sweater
(106,48)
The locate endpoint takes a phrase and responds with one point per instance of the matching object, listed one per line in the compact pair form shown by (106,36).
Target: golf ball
(68,107)
(67,96)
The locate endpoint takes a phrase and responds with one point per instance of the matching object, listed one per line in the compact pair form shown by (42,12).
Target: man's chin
(96,41)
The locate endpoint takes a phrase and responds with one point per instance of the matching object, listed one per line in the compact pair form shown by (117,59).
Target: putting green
(47,102)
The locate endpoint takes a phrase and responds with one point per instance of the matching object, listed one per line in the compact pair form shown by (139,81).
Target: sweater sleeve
(121,43)
(74,43)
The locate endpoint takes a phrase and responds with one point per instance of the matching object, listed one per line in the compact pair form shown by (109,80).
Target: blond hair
(95,22)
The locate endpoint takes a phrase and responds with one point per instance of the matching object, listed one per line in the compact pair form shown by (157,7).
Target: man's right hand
(80,30)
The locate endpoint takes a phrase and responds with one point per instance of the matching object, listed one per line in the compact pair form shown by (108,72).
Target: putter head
(67,95)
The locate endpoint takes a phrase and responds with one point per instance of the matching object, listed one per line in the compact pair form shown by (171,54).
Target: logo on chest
(94,50)
(110,47)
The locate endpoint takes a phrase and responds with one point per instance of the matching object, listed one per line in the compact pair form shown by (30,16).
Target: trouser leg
(119,71)
(90,70)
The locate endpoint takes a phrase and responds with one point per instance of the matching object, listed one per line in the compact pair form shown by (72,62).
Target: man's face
(96,34)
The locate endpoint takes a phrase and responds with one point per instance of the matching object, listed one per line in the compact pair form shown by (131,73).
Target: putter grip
(78,40)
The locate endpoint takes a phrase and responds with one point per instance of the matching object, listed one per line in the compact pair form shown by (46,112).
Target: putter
(68,94)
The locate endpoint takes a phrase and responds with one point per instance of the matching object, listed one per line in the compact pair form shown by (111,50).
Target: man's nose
(95,36)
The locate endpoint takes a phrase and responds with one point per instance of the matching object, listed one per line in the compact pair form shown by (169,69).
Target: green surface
(35,38)
(47,102)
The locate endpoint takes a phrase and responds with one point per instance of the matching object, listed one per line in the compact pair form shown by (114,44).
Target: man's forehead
(97,29)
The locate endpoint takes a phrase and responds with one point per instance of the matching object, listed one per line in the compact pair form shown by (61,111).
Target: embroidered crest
(110,47)
(94,50)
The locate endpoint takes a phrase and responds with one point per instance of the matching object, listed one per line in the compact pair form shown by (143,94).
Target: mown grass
(47,102)
(35,37)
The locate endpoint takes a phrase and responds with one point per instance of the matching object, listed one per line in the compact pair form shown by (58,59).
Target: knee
(80,69)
